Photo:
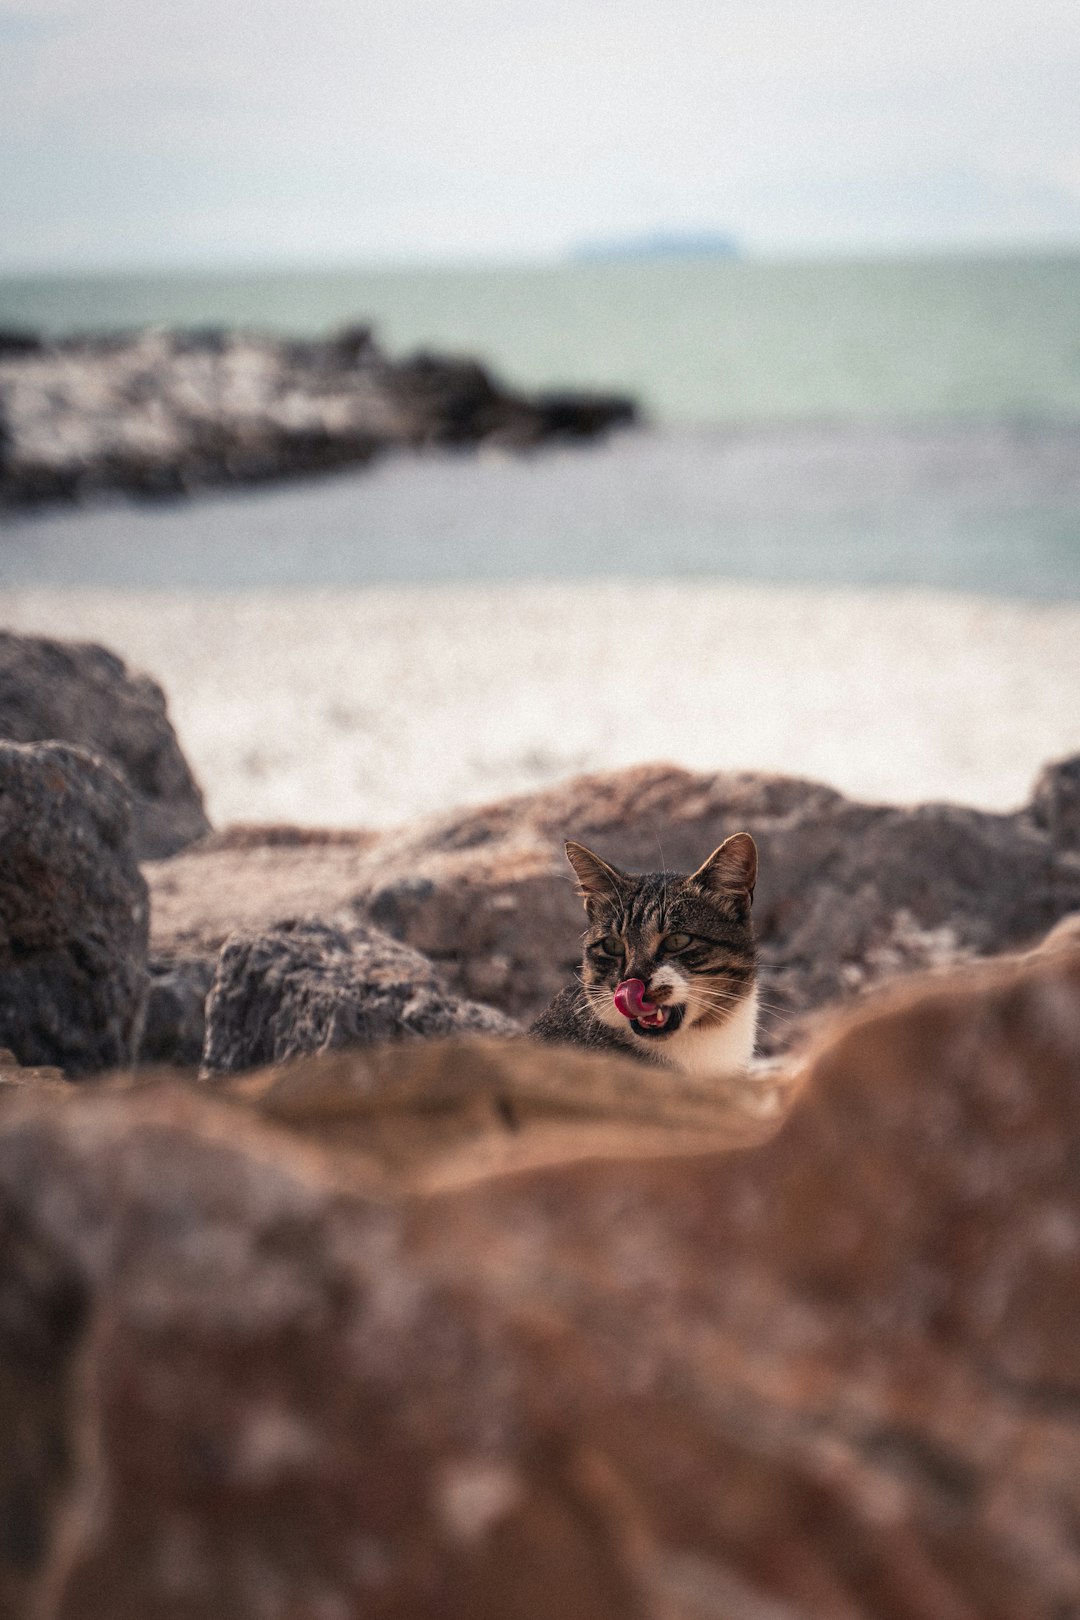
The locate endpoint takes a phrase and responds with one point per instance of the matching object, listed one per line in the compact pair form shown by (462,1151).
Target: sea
(894,422)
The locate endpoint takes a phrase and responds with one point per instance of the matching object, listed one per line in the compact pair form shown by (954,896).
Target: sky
(175,133)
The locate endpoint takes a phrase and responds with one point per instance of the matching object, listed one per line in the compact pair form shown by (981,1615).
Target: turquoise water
(708,342)
(891,423)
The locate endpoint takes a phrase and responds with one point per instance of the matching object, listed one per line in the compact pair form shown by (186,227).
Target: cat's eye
(611,945)
(673,943)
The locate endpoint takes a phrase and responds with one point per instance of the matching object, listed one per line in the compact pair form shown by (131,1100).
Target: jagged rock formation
(849,893)
(73,911)
(305,986)
(78,692)
(834,1374)
(163,413)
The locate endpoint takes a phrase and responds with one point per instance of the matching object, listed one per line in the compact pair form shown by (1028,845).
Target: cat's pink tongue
(630,999)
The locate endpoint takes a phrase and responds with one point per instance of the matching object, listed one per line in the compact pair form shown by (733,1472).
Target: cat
(669,971)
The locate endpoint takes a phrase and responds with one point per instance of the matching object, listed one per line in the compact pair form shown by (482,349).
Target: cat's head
(667,951)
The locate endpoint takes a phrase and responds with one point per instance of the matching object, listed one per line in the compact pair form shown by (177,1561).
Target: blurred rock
(73,911)
(18,342)
(162,413)
(305,986)
(174,1026)
(834,1375)
(78,692)
(14,1073)
(1055,803)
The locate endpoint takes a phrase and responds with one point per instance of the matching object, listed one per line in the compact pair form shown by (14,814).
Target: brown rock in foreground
(80,693)
(848,894)
(834,1377)
(73,911)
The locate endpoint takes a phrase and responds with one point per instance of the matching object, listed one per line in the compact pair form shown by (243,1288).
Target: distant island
(659,245)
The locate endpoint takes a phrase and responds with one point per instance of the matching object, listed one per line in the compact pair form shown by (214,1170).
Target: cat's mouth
(645,1017)
(662,1021)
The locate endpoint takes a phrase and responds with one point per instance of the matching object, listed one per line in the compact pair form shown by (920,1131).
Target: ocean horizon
(711,341)
(890,422)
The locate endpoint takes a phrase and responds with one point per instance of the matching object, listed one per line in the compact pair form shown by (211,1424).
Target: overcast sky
(189,132)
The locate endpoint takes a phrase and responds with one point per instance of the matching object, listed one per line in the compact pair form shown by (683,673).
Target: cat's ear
(730,870)
(596,879)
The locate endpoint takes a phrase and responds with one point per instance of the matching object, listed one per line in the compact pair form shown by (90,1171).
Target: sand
(367,707)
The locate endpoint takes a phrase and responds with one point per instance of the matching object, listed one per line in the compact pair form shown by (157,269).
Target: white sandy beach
(367,707)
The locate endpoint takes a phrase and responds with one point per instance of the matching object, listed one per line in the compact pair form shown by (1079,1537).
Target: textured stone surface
(832,1376)
(73,911)
(306,986)
(77,692)
(848,893)
(162,413)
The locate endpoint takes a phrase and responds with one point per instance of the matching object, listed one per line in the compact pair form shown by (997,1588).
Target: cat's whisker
(718,999)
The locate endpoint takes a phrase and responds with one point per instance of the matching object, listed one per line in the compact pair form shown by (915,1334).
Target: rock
(14,1073)
(81,693)
(848,894)
(13,341)
(159,413)
(836,1374)
(305,987)
(1055,803)
(174,1027)
(73,911)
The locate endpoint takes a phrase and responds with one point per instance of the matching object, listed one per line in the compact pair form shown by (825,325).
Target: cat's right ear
(596,879)
(731,870)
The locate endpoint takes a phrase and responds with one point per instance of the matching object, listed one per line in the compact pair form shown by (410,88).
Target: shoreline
(165,413)
(371,707)
(993,510)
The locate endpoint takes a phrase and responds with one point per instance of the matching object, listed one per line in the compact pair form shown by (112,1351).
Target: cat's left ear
(597,881)
(731,870)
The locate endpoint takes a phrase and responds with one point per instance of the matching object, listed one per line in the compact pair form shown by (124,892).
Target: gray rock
(78,692)
(307,986)
(163,413)
(74,912)
(174,1027)
(1055,803)
(848,894)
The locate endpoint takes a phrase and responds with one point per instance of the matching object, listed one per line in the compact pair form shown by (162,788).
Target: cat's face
(666,952)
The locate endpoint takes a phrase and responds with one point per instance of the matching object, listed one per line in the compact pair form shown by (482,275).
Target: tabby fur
(687,941)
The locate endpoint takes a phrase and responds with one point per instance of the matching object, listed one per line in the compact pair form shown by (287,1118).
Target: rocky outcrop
(834,1374)
(162,413)
(73,911)
(849,893)
(305,986)
(78,692)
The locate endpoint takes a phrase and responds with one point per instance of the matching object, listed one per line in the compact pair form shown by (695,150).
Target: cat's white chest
(719,1049)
